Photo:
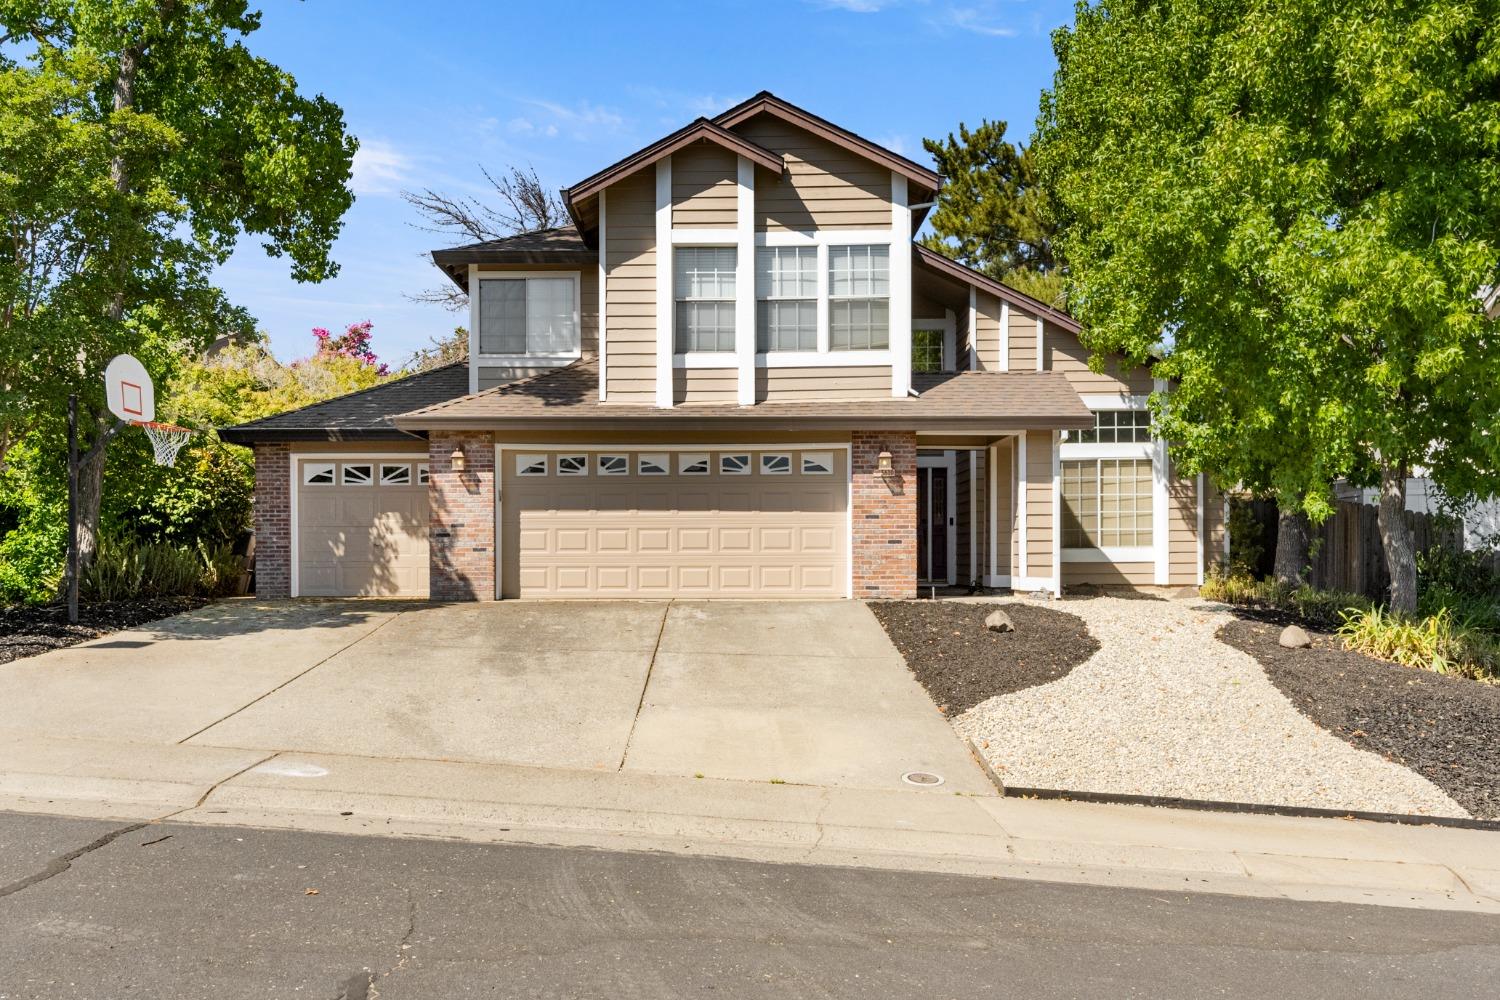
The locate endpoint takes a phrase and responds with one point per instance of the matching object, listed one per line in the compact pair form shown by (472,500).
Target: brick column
(461,516)
(884,546)
(273,520)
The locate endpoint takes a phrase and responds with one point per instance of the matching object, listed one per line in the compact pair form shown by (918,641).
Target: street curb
(1211,805)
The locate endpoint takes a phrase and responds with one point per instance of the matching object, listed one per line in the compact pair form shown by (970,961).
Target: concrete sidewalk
(920,829)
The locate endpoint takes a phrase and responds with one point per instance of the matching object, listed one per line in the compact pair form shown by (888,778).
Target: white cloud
(583,121)
(975,21)
(380,168)
(895,143)
(856,6)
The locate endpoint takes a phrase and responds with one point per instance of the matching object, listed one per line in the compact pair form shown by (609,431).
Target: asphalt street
(99,910)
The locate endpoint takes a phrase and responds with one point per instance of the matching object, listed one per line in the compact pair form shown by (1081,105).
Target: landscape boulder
(999,621)
(1294,637)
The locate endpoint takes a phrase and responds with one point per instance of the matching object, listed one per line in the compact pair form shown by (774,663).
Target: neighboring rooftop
(977,401)
(367,415)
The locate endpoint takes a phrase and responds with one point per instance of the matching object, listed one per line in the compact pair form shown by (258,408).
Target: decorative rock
(1294,637)
(999,621)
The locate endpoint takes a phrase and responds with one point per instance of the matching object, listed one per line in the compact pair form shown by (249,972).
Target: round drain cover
(921,778)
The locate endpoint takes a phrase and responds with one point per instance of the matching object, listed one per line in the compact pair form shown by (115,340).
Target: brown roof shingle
(569,397)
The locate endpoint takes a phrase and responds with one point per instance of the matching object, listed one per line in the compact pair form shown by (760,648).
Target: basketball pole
(73,509)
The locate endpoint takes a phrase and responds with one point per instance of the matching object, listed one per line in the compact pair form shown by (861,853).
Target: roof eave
(963,272)
(766,422)
(701,128)
(266,435)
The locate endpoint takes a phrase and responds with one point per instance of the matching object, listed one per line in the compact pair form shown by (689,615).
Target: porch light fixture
(884,464)
(457,459)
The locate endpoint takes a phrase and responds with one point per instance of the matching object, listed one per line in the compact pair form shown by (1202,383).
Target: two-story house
(734,375)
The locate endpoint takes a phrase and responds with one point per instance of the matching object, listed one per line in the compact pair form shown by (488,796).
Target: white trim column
(992,473)
(1024,569)
(1056,508)
(603,297)
(1041,326)
(1202,542)
(473,330)
(744,282)
(973,360)
(1160,525)
(1004,335)
(900,303)
(664,296)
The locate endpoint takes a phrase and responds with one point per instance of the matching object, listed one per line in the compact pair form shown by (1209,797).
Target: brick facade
(884,516)
(462,516)
(273,520)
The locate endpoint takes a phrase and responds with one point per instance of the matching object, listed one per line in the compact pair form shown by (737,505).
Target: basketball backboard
(128,389)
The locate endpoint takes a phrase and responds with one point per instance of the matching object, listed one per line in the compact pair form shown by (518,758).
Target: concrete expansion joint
(661,630)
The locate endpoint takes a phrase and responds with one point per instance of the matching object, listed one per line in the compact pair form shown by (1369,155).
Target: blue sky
(436,92)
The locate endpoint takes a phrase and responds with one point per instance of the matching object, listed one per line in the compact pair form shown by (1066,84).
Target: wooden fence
(1346,550)
(1347,554)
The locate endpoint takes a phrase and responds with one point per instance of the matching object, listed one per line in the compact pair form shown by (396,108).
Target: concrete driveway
(805,693)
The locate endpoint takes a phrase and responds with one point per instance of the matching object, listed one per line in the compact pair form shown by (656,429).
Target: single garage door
(764,523)
(361,527)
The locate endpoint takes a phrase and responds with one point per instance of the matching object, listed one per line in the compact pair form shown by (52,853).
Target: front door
(932,524)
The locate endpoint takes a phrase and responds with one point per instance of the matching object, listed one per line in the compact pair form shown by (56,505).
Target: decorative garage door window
(775,465)
(531,465)
(817,463)
(614,465)
(692,464)
(317,473)
(395,475)
(358,475)
(652,465)
(422,474)
(572,465)
(734,465)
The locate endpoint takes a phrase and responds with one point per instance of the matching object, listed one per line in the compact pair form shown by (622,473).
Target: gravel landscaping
(26,630)
(1165,709)
(961,663)
(1444,728)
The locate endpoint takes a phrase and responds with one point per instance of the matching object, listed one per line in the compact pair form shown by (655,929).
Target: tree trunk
(1293,539)
(1396,539)
(91,492)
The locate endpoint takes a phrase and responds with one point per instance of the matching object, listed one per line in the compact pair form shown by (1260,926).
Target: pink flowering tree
(354,343)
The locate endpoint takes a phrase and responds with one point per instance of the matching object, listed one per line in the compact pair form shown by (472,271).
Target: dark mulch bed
(27,630)
(1447,729)
(961,663)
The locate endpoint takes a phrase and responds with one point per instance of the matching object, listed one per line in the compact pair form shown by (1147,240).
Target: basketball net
(166,439)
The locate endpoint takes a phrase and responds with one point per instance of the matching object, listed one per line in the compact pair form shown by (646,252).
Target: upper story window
(703,285)
(859,289)
(786,292)
(528,315)
(1118,427)
(927,350)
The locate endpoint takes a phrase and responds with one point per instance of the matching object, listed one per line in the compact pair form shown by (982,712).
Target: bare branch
(450,297)
(523,205)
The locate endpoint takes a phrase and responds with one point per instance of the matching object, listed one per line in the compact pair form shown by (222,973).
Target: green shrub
(1321,607)
(124,569)
(1437,642)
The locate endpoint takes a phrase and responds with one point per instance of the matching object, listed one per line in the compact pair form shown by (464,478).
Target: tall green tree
(1303,200)
(991,213)
(140,139)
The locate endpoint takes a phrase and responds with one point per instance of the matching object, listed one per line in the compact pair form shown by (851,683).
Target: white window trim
(817,457)
(1131,553)
(623,456)
(791,463)
(899,339)
(410,480)
(541,359)
(661,459)
(293,461)
(706,359)
(1111,554)
(1115,401)
(710,359)
(824,359)
(1074,451)
(749,463)
(820,324)
(574,473)
(332,470)
(949,329)
(529,456)
(344,469)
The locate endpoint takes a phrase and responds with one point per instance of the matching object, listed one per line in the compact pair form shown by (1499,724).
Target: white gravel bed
(1164,708)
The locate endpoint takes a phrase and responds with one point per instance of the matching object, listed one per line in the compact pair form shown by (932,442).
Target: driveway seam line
(641,702)
(296,677)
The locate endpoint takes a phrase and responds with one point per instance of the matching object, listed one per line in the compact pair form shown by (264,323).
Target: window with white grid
(1106,503)
(1118,427)
(786,294)
(528,316)
(703,285)
(859,289)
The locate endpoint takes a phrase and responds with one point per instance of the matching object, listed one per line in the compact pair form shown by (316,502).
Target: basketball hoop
(166,439)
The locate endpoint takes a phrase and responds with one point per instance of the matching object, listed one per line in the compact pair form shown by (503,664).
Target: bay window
(528,315)
(786,293)
(859,289)
(703,283)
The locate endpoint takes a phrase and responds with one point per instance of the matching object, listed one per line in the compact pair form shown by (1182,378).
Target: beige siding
(1067,355)
(630,324)
(1133,574)
(1182,530)
(1213,528)
(705,385)
(1022,341)
(802,384)
(926,307)
(489,376)
(1039,496)
(987,319)
(823,187)
(705,187)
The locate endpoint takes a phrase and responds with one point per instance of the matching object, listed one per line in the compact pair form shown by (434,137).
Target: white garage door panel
(675,536)
(365,540)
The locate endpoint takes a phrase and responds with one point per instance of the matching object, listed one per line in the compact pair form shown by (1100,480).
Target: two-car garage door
(709,523)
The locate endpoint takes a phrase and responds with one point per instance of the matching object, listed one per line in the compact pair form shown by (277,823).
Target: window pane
(859,270)
(549,316)
(859,324)
(786,272)
(787,325)
(927,350)
(502,316)
(1106,503)
(705,326)
(704,272)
